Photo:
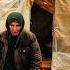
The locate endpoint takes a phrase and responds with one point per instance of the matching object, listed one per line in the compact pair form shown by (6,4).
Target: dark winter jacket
(27,54)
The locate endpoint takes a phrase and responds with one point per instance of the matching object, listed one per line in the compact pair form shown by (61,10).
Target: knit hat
(14,16)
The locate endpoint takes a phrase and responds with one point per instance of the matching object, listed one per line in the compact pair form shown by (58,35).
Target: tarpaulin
(61,36)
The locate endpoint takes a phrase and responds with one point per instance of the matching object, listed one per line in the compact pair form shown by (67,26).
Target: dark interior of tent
(41,25)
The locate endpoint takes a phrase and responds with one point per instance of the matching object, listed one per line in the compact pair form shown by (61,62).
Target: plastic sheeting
(61,39)
(7,6)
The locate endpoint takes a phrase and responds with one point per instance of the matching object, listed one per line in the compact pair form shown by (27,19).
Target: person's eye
(17,25)
(12,25)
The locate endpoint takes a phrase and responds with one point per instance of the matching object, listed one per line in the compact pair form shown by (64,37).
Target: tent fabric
(61,36)
(47,5)
(8,6)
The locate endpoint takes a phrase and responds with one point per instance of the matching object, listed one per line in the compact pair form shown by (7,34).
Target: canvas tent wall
(61,45)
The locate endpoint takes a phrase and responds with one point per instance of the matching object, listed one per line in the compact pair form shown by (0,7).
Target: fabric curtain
(61,36)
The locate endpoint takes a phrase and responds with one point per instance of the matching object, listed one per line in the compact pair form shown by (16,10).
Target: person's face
(15,28)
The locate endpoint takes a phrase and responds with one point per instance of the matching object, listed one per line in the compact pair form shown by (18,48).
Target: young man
(19,49)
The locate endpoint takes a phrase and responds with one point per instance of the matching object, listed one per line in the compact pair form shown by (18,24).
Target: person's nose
(14,29)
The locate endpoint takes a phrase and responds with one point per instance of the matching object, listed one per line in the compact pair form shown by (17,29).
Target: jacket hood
(14,16)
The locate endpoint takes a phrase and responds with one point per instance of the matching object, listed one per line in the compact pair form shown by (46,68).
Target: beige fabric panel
(61,47)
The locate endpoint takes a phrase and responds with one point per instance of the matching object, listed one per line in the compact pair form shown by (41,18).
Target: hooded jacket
(27,53)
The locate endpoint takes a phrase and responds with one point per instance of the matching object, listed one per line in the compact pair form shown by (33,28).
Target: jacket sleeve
(1,53)
(35,56)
